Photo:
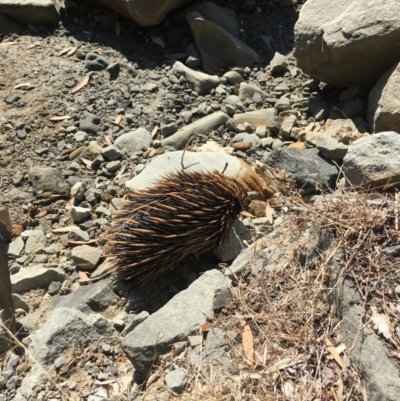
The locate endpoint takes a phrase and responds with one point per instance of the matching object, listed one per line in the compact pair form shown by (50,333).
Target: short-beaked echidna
(183,213)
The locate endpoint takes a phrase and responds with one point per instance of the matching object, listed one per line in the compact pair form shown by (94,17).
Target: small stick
(226,165)
(184,150)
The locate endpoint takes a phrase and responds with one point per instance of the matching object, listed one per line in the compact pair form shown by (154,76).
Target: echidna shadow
(181,214)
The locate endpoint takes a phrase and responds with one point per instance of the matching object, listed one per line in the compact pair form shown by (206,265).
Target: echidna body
(182,214)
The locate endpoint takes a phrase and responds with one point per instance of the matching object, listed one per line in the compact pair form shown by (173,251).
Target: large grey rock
(181,316)
(49,179)
(247,91)
(367,353)
(86,257)
(218,48)
(35,12)
(134,140)
(34,277)
(199,127)
(372,161)
(64,329)
(201,83)
(256,118)
(224,17)
(347,42)
(306,167)
(384,102)
(92,298)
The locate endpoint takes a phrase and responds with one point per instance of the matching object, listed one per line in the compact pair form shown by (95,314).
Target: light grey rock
(372,161)
(176,380)
(169,129)
(64,329)
(78,190)
(30,320)
(193,161)
(141,317)
(16,247)
(306,167)
(244,262)
(233,77)
(49,179)
(134,140)
(79,213)
(367,352)
(36,240)
(102,269)
(256,118)
(78,235)
(238,240)
(34,12)
(247,91)
(279,64)
(199,127)
(88,299)
(333,40)
(233,100)
(252,139)
(384,102)
(218,48)
(31,278)
(287,125)
(188,311)
(201,83)
(283,104)
(86,257)
(111,153)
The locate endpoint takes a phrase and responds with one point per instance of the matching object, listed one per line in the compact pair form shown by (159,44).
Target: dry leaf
(87,162)
(154,132)
(87,32)
(22,85)
(60,118)
(247,342)
(117,29)
(381,323)
(268,213)
(91,241)
(41,214)
(120,172)
(32,45)
(108,140)
(83,276)
(65,229)
(8,43)
(288,390)
(72,51)
(118,119)
(332,349)
(84,81)
(206,327)
(64,51)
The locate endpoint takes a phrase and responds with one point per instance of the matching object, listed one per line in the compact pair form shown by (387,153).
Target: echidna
(182,214)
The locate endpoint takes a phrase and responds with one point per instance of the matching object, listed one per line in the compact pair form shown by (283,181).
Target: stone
(176,380)
(78,190)
(233,100)
(256,118)
(247,91)
(222,300)
(16,247)
(199,127)
(188,310)
(134,140)
(218,48)
(233,77)
(252,139)
(31,278)
(30,320)
(371,161)
(169,129)
(34,12)
(141,317)
(201,83)
(63,330)
(78,235)
(48,179)
(309,170)
(96,297)
(95,62)
(333,40)
(279,64)
(288,124)
(36,240)
(90,123)
(384,102)
(283,104)
(354,108)
(86,257)
(79,213)
(111,152)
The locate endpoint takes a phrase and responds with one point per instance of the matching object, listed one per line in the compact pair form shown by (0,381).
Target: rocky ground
(100,107)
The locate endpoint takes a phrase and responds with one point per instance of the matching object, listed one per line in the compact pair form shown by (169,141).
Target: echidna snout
(183,213)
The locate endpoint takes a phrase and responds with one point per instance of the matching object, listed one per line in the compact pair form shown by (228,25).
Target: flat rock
(247,91)
(135,140)
(63,330)
(306,167)
(218,48)
(384,102)
(188,310)
(36,240)
(16,247)
(202,83)
(372,160)
(48,179)
(31,278)
(86,257)
(199,127)
(334,40)
(256,118)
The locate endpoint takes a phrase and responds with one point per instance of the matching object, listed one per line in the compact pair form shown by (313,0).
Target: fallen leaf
(64,51)
(87,162)
(8,43)
(247,342)
(288,390)
(120,172)
(206,327)
(41,214)
(268,213)
(381,323)
(22,85)
(87,32)
(83,276)
(32,45)
(60,118)
(91,241)
(117,29)
(118,119)
(72,51)
(108,140)
(332,349)
(84,81)
(154,132)
(65,229)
